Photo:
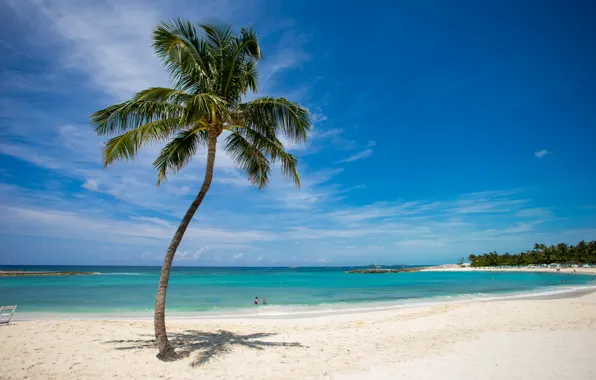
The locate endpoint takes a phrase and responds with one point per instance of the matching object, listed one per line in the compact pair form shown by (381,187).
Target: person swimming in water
(264,301)
(256,300)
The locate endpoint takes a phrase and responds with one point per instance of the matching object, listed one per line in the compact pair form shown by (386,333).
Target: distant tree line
(582,253)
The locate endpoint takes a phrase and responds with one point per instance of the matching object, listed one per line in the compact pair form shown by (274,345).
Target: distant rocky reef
(17,273)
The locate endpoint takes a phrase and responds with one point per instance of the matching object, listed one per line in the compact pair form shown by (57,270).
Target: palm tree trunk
(166,352)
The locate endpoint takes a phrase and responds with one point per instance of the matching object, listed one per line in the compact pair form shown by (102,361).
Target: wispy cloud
(535,213)
(317,116)
(358,156)
(541,153)
(158,221)
(103,228)
(488,202)
(383,210)
(113,49)
(314,191)
(190,255)
(427,228)
(114,52)
(91,185)
(88,62)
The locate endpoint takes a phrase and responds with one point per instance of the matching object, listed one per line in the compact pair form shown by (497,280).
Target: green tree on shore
(211,69)
(561,253)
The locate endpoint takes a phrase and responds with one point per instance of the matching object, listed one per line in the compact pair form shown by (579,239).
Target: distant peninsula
(18,273)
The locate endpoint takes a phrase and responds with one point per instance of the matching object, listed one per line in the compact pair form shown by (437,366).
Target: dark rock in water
(16,273)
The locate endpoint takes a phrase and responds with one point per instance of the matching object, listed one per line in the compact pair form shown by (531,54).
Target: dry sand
(514,339)
(457,268)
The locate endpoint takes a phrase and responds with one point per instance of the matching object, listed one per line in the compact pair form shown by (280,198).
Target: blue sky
(440,129)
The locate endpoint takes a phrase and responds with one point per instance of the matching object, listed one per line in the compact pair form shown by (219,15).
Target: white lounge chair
(6,313)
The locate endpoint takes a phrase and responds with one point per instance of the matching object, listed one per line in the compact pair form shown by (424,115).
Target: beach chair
(6,313)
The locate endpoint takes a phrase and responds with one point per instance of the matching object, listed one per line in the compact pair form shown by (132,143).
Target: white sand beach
(511,339)
(457,268)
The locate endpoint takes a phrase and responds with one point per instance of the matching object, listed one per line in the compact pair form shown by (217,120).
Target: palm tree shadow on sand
(209,344)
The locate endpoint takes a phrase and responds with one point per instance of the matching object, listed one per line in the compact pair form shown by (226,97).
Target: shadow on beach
(209,344)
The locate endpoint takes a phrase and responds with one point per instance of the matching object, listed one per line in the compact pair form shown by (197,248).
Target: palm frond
(289,164)
(271,146)
(211,68)
(204,106)
(162,95)
(219,36)
(249,44)
(244,50)
(178,152)
(132,114)
(250,159)
(290,118)
(183,54)
(250,74)
(125,146)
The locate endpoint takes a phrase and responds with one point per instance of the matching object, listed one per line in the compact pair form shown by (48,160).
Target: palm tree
(211,69)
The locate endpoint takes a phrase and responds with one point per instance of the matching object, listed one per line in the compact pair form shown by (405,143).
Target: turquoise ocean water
(202,291)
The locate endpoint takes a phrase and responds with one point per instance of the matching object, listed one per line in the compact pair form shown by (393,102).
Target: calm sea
(130,290)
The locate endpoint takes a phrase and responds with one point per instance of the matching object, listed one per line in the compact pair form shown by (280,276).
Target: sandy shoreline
(455,268)
(513,339)
(315,311)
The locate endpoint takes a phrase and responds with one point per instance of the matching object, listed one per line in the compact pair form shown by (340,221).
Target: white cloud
(108,40)
(317,116)
(330,133)
(26,154)
(313,191)
(190,255)
(91,185)
(535,213)
(79,225)
(541,153)
(289,53)
(420,227)
(488,202)
(158,221)
(421,243)
(358,156)
(333,137)
(383,210)
(113,52)
(178,190)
